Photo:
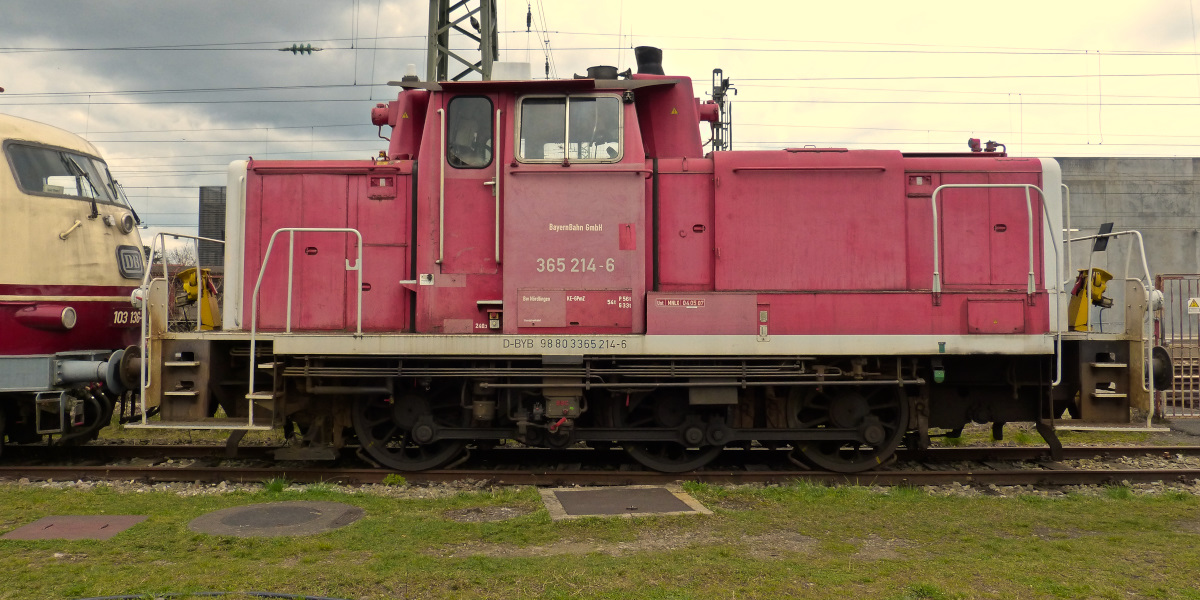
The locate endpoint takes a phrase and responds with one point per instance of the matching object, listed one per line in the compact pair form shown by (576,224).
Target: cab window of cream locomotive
(60,173)
(469,132)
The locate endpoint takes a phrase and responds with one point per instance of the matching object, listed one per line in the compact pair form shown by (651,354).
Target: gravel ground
(1174,461)
(1167,461)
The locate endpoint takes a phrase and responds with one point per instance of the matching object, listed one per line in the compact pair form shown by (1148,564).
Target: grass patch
(118,432)
(1118,492)
(799,540)
(276,485)
(1024,434)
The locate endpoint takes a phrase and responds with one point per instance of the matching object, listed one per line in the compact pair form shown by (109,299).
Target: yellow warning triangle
(674,112)
(1193,304)
(404,115)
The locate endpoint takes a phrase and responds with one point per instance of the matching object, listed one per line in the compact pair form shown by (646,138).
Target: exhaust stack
(649,60)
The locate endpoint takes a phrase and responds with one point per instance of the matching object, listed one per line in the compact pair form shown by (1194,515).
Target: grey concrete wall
(1157,196)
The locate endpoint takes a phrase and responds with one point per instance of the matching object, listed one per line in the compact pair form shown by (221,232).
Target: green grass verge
(776,542)
(1023,434)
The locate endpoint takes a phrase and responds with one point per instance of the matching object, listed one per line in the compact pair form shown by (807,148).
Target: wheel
(388,430)
(665,408)
(879,414)
(3,421)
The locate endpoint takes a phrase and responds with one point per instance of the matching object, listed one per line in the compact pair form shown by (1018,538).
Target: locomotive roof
(535,85)
(16,128)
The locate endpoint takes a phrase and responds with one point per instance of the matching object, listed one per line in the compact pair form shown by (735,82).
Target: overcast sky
(171,92)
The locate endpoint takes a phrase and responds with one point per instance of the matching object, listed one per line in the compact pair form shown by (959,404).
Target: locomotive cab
(74,256)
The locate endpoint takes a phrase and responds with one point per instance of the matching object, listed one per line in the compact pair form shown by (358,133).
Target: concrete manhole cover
(277,519)
(572,503)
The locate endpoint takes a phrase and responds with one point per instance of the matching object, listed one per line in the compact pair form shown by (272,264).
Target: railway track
(984,466)
(523,455)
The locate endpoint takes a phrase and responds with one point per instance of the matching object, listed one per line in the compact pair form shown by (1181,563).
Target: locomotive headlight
(126,223)
(135,298)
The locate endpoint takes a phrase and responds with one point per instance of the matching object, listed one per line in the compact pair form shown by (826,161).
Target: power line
(905,77)
(225,46)
(963,103)
(778,125)
(843,42)
(246,141)
(198,90)
(965,92)
(163,102)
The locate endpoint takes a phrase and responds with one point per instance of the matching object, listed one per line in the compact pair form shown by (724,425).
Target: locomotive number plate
(126,317)
(545,344)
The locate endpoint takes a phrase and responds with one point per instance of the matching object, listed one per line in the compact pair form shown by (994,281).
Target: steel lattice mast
(447,15)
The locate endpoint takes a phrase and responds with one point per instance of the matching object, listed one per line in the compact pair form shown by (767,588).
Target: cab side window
(469,131)
(543,128)
(577,128)
(595,132)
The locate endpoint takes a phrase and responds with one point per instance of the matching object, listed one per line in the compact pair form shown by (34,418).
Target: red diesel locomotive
(558,262)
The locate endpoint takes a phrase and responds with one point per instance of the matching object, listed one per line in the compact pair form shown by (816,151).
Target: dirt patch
(1188,526)
(735,504)
(779,544)
(879,548)
(485,514)
(772,545)
(1048,533)
(657,543)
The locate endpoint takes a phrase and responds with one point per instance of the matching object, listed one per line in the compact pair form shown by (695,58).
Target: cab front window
(575,128)
(55,172)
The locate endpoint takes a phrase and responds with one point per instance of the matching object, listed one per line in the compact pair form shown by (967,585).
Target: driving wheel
(398,433)
(879,415)
(670,409)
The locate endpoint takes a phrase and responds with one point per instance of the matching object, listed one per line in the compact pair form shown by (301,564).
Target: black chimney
(649,60)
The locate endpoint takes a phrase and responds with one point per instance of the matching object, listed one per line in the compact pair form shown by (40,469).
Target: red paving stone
(74,527)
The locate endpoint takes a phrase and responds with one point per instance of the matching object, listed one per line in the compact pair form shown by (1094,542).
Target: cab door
(466,270)
(574,217)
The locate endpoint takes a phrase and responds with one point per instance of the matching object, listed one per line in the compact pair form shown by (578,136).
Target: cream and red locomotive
(72,258)
(558,262)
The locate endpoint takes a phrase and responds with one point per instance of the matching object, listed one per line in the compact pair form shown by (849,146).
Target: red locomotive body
(558,262)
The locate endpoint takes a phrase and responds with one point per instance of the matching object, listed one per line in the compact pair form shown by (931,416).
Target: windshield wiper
(121,193)
(78,171)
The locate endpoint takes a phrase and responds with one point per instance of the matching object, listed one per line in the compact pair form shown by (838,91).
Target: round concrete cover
(277,519)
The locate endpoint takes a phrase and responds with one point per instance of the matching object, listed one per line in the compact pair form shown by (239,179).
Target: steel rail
(520,455)
(983,476)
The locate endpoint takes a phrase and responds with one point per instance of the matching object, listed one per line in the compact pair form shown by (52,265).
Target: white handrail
(937,276)
(1147,334)
(496,186)
(442,189)
(937,279)
(1067,228)
(291,261)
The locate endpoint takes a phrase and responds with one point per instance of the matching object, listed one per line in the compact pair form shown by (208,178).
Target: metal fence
(1177,328)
